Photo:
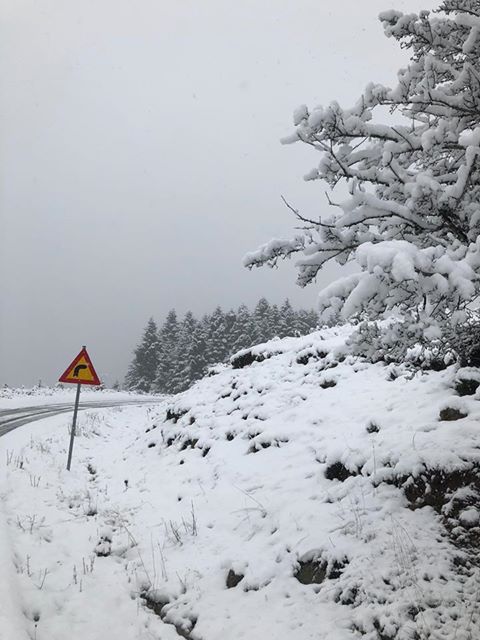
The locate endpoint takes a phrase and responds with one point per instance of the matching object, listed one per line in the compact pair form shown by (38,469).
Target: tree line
(170,357)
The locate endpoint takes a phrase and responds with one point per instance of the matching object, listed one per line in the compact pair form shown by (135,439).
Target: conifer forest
(170,357)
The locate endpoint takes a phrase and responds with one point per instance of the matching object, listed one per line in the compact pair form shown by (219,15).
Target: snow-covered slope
(302,495)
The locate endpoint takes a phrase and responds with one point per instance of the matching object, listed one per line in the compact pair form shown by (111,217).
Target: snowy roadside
(12,624)
(55,525)
(295,497)
(19,398)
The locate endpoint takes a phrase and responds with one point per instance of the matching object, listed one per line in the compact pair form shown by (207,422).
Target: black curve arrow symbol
(78,368)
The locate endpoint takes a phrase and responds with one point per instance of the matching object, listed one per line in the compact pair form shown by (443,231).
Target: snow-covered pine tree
(142,371)
(288,321)
(241,335)
(230,319)
(182,375)
(167,363)
(303,323)
(274,321)
(261,324)
(313,320)
(412,218)
(217,346)
(199,362)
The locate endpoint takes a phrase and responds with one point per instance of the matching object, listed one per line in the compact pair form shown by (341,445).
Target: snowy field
(36,396)
(304,496)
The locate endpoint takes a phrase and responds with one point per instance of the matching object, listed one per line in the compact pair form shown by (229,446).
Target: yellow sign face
(81,370)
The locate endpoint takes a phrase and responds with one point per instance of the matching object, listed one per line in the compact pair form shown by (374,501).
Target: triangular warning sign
(81,370)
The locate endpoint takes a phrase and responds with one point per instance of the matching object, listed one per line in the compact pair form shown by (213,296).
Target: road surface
(12,418)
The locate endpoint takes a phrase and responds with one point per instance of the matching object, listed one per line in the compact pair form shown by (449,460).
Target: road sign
(81,371)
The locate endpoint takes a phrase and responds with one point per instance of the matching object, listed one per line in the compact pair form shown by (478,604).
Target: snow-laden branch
(412,219)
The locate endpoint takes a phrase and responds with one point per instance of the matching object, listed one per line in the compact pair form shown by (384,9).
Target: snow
(272,248)
(17,398)
(470,516)
(12,626)
(232,475)
(299,114)
(470,138)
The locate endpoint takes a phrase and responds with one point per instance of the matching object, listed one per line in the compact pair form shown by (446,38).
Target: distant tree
(167,354)
(411,222)
(198,353)
(230,319)
(305,321)
(217,345)
(313,320)
(288,323)
(241,335)
(274,321)
(262,330)
(142,371)
(182,375)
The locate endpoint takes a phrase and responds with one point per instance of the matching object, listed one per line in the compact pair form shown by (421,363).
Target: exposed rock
(452,413)
(327,384)
(189,443)
(467,381)
(338,471)
(245,359)
(311,571)
(372,427)
(310,355)
(158,604)
(466,387)
(233,579)
(175,414)
(315,570)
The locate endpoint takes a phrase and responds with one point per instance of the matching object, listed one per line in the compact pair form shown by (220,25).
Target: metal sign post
(80,371)
(74,424)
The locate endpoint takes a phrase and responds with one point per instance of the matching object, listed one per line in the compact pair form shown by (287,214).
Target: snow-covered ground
(304,496)
(12,398)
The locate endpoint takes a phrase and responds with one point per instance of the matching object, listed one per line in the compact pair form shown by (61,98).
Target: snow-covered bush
(398,341)
(466,342)
(411,221)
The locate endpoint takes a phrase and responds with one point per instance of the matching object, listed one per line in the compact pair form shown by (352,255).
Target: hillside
(301,494)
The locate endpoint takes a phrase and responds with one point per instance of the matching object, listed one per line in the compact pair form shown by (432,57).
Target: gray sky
(140,159)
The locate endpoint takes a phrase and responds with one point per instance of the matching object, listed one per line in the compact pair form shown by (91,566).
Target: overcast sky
(140,159)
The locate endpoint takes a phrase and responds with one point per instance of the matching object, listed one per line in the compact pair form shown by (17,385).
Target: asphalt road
(13,418)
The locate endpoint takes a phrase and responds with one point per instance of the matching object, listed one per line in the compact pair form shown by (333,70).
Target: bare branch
(316,223)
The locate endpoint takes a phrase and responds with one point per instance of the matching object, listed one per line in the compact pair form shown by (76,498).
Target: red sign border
(83,354)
